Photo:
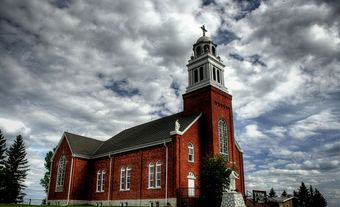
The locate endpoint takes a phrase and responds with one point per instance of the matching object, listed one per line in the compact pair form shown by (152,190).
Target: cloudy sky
(97,67)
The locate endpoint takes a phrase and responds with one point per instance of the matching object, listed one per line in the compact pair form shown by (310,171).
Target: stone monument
(232,198)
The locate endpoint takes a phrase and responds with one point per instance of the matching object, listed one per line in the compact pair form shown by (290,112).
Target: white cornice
(206,83)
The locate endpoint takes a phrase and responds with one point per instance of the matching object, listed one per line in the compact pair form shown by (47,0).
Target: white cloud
(325,120)
(12,127)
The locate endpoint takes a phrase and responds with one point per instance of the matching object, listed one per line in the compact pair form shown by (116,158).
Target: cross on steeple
(203,30)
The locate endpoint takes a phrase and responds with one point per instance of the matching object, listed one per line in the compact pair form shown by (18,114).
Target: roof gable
(82,146)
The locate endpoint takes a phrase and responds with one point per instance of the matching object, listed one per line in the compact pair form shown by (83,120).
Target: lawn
(25,205)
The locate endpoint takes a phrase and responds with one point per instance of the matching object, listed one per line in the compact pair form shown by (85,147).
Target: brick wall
(98,165)
(191,136)
(80,179)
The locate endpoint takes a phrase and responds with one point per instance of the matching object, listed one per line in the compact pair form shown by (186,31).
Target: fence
(31,201)
(188,197)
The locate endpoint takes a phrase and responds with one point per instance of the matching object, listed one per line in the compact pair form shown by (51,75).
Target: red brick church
(156,163)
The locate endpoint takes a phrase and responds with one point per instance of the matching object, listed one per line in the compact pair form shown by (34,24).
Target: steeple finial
(203,30)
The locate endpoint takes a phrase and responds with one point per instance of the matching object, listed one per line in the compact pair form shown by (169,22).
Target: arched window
(100,181)
(125,178)
(198,50)
(206,48)
(128,175)
(191,152)
(191,184)
(61,174)
(122,179)
(223,138)
(213,51)
(158,174)
(151,175)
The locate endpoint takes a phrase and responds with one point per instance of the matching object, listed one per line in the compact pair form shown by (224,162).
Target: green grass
(25,205)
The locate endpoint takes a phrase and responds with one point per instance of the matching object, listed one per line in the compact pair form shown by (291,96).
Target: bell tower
(205,67)
(206,93)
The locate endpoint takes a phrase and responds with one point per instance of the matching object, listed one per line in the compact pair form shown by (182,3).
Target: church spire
(204,67)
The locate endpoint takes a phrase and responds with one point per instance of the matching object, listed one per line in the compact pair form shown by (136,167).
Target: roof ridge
(83,136)
(152,121)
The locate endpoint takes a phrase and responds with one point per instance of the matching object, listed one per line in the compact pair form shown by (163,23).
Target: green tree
(311,195)
(284,193)
(214,177)
(295,199)
(272,192)
(16,171)
(46,179)
(318,199)
(2,167)
(303,195)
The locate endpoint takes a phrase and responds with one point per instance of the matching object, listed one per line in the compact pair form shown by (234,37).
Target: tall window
(195,75)
(214,73)
(223,138)
(191,152)
(198,50)
(61,174)
(122,178)
(151,175)
(155,175)
(100,181)
(158,174)
(191,184)
(128,175)
(125,178)
(218,76)
(201,73)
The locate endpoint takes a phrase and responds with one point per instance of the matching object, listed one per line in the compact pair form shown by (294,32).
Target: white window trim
(158,164)
(223,138)
(122,183)
(128,171)
(151,176)
(191,147)
(61,174)
(100,183)
(103,181)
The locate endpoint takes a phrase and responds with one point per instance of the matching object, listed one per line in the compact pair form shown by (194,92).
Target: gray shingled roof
(144,134)
(81,145)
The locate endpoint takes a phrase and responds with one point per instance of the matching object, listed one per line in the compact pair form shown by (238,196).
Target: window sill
(100,191)
(154,188)
(124,190)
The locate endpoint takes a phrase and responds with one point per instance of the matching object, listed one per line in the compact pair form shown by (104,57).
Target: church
(155,163)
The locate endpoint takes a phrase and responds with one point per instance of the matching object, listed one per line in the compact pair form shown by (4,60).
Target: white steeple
(204,67)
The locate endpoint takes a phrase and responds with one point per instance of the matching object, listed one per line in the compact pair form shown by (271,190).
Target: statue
(177,126)
(232,186)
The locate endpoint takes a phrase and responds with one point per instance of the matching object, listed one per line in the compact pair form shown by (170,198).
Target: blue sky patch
(122,88)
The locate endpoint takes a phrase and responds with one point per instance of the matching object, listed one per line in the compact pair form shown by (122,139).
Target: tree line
(304,197)
(13,170)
